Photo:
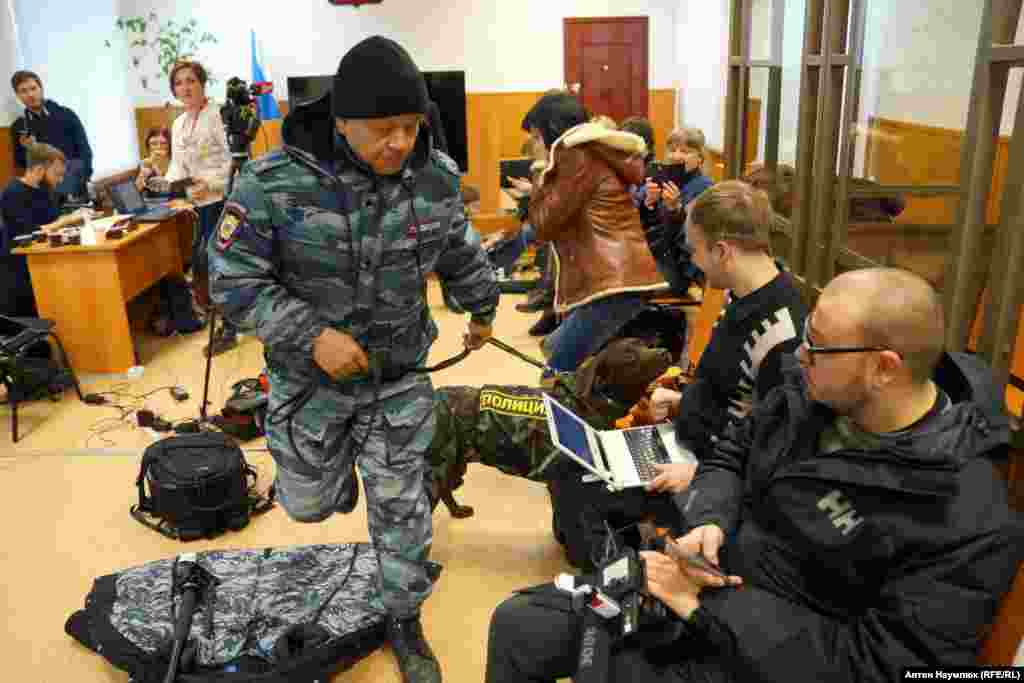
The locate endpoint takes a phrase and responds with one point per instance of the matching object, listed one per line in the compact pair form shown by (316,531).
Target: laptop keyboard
(647,450)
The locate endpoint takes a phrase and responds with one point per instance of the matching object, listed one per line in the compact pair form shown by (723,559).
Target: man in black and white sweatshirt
(727,237)
(858,504)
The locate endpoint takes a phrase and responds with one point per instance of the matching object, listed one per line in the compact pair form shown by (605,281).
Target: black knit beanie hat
(377,78)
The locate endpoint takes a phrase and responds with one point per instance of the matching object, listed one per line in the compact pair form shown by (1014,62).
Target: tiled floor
(69,482)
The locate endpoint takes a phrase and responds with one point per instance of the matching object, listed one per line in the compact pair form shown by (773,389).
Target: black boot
(545,326)
(539,298)
(224,339)
(348,497)
(415,658)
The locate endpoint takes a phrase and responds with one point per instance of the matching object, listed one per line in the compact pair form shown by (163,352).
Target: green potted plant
(166,42)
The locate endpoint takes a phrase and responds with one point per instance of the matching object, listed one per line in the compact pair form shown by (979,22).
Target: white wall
(502,46)
(63,43)
(702,36)
(9,62)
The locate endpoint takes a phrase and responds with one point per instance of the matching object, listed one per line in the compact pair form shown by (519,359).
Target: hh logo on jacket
(842,513)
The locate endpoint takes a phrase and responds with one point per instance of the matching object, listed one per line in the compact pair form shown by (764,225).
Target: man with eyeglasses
(866,521)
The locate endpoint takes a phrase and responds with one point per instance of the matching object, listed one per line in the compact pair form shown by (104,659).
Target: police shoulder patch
(446,163)
(230,222)
(268,162)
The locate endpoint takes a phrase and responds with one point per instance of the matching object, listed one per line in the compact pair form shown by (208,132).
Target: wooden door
(607,57)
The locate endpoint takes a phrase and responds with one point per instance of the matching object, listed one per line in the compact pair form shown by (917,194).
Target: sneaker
(539,298)
(545,326)
(415,658)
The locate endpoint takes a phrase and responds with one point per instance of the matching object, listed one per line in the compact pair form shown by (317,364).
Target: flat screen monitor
(446,88)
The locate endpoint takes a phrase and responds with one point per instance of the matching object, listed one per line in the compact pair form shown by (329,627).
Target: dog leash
(518,354)
(557,376)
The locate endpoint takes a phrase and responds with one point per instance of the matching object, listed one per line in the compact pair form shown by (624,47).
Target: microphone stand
(240,144)
(195,582)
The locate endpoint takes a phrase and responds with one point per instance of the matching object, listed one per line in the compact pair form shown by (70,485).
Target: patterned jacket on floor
(269,610)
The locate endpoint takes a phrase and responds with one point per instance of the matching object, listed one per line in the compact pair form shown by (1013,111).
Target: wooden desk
(86,290)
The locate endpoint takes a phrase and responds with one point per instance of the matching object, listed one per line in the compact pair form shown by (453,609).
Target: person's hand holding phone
(671,195)
(652,193)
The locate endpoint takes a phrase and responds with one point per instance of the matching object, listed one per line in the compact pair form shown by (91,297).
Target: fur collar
(592,132)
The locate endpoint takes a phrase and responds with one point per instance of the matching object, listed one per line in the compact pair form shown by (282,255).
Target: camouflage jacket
(305,244)
(261,607)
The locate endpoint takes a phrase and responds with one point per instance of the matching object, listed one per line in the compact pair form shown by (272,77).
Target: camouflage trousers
(340,428)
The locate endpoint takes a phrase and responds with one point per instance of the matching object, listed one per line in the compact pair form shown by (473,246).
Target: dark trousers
(533,639)
(593,521)
(209,217)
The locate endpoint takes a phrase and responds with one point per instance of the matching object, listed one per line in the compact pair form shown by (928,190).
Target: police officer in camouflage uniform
(322,252)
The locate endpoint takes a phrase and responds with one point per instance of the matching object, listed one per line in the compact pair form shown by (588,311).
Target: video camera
(618,596)
(240,115)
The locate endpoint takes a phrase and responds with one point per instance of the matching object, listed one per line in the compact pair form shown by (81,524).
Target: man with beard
(47,122)
(27,205)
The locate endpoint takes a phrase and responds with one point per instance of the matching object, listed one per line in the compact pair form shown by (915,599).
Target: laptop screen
(127,197)
(571,432)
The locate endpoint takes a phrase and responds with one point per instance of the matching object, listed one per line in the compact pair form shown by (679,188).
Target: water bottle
(88,231)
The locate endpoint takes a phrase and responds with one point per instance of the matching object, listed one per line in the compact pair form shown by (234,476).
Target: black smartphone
(514,168)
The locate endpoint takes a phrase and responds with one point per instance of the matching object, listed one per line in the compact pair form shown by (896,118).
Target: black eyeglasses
(812,350)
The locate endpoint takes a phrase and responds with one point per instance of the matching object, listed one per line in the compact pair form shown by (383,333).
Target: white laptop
(622,458)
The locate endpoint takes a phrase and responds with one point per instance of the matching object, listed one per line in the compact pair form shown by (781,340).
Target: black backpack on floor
(199,485)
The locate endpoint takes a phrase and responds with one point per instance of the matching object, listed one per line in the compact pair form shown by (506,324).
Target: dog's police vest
(277,614)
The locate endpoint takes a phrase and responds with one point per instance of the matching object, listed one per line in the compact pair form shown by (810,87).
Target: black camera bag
(199,485)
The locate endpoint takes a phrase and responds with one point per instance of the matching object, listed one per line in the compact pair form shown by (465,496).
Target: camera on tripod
(240,115)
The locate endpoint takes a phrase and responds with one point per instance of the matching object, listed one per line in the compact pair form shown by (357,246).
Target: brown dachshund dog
(505,426)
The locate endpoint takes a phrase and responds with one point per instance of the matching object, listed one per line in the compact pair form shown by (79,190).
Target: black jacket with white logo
(861,562)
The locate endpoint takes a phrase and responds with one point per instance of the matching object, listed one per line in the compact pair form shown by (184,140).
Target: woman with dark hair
(582,206)
(157,160)
(174,313)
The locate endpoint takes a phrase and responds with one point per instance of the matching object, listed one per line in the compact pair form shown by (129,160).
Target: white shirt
(200,150)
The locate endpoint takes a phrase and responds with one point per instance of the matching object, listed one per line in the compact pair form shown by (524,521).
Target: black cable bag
(199,485)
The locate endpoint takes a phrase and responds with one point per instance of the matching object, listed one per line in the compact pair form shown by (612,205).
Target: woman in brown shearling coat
(583,207)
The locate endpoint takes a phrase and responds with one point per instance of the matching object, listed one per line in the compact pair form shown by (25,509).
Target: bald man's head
(895,309)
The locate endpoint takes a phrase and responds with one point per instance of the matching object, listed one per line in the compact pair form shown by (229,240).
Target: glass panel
(761,13)
(912,110)
(757,115)
(792,49)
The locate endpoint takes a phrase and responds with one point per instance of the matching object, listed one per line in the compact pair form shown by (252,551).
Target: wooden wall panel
(493,122)
(902,153)
(493,132)
(714,167)
(662,116)
(6,157)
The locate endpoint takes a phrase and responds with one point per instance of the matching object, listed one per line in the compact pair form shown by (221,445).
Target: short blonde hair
(733,211)
(687,137)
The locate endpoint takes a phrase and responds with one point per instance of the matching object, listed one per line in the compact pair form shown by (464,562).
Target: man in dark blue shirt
(27,205)
(48,122)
